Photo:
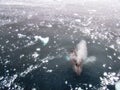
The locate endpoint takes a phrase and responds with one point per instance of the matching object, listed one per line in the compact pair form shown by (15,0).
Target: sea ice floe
(76,14)
(21,56)
(118,41)
(30,43)
(56,65)
(110,68)
(43,40)
(104,65)
(109,56)
(34,89)
(8,81)
(119,57)
(112,46)
(117,85)
(38,49)
(44,67)
(78,88)
(78,20)
(28,70)
(109,78)
(49,71)
(66,82)
(90,85)
(21,35)
(1,78)
(49,25)
(35,55)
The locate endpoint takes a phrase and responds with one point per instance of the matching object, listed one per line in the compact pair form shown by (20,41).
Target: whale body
(78,56)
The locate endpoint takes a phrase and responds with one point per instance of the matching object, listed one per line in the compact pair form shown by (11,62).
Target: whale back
(81,50)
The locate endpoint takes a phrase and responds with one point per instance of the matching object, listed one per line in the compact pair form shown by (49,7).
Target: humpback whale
(79,57)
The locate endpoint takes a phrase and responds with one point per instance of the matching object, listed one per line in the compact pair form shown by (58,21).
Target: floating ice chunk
(8,81)
(49,71)
(49,25)
(104,65)
(78,20)
(75,14)
(38,49)
(90,85)
(92,10)
(119,57)
(56,65)
(35,55)
(117,24)
(21,56)
(109,78)
(80,88)
(21,35)
(109,56)
(105,73)
(28,70)
(44,67)
(110,68)
(87,22)
(29,16)
(114,54)
(34,89)
(112,46)
(30,43)
(118,41)
(7,41)
(44,61)
(44,40)
(66,82)
(117,86)
(1,78)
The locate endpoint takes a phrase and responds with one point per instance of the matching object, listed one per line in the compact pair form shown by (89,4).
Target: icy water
(34,43)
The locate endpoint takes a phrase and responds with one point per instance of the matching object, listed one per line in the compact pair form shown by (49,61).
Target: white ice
(21,35)
(44,40)
(117,86)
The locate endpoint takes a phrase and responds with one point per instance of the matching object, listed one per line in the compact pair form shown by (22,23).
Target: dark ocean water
(27,63)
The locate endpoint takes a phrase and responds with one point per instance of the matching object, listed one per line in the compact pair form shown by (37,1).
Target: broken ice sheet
(43,40)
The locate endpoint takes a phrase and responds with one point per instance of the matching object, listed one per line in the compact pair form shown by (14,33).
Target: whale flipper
(90,59)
